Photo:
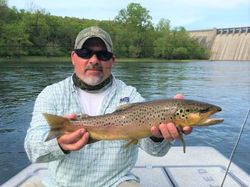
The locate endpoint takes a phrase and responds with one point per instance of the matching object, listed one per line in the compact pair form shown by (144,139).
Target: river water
(226,84)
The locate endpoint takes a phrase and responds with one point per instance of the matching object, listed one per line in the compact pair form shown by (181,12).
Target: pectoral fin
(132,141)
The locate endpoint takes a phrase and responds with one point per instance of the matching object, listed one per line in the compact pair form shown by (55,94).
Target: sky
(191,14)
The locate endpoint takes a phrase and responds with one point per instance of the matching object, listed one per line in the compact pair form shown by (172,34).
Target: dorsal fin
(124,107)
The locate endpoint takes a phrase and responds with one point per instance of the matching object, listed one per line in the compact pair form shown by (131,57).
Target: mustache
(97,67)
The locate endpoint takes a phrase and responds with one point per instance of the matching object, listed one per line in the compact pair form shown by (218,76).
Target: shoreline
(39,59)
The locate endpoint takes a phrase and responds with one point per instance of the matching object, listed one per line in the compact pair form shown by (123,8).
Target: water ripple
(226,84)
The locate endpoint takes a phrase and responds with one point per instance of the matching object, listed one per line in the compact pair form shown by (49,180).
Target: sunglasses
(87,54)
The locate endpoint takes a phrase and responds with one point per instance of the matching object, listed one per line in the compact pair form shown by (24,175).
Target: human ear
(73,57)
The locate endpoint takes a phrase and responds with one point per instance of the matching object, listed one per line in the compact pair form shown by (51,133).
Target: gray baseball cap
(91,32)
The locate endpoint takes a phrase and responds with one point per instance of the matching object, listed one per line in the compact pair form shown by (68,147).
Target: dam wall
(226,43)
(204,37)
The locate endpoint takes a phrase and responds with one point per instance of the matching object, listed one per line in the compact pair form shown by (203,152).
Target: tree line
(37,33)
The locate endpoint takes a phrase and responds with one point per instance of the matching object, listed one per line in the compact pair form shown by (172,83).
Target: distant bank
(225,43)
(66,59)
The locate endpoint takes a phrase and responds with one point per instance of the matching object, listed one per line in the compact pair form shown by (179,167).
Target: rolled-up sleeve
(154,148)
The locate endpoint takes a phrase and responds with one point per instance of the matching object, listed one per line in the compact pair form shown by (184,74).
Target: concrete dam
(225,43)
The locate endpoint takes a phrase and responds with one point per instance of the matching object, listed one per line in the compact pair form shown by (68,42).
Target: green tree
(163,45)
(135,25)
(4,11)
(15,40)
(135,15)
(163,26)
(38,31)
(192,50)
(176,43)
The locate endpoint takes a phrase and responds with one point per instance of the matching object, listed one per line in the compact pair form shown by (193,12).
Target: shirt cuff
(55,149)
(155,139)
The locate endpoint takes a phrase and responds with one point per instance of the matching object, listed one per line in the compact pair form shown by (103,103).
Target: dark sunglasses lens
(83,53)
(86,54)
(104,55)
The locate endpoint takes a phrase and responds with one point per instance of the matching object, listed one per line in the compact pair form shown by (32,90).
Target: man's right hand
(73,141)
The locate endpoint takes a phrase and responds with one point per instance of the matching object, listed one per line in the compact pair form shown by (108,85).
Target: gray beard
(92,88)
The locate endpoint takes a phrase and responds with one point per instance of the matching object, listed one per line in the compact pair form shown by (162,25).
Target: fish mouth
(212,121)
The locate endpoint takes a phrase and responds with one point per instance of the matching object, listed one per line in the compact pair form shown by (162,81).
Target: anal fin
(179,128)
(132,141)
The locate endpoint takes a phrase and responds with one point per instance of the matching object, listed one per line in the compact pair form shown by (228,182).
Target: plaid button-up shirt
(104,163)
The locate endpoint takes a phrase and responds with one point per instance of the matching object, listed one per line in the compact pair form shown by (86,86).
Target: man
(91,90)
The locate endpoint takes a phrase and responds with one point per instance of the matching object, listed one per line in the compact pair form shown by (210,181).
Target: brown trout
(133,121)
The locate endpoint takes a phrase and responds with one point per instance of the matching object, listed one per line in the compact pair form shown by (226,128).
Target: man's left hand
(169,131)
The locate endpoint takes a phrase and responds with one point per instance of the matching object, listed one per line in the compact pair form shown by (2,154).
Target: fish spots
(142,116)
(182,114)
(109,124)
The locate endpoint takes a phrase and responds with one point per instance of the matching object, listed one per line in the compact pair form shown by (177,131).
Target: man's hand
(169,131)
(73,141)
(178,96)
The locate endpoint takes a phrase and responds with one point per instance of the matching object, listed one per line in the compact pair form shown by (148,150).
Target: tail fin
(56,124)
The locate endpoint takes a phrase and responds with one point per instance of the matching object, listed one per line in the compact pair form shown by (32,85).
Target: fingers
(178,96)
(167,131)
(72,137)
(187,130)
(156,132)
(73,141)
(71,116)
(79,144)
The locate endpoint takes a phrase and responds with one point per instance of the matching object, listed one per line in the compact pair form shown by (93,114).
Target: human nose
(93,59)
